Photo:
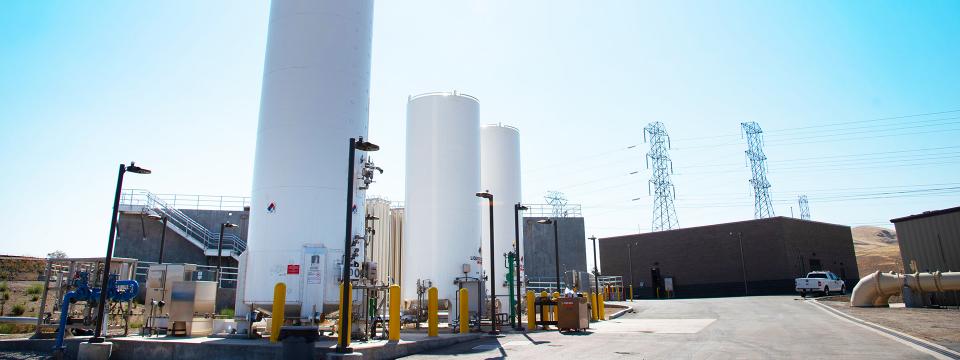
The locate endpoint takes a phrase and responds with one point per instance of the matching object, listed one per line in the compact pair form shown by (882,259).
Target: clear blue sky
(175,86)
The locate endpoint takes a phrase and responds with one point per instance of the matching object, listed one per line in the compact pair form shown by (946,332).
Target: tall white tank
(442,214)
(315,95)
(500,173)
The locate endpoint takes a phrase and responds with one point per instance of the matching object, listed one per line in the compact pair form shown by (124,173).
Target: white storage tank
(442,216)
(315,94)
(500,173)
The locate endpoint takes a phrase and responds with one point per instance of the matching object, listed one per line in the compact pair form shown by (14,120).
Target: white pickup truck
(823,282)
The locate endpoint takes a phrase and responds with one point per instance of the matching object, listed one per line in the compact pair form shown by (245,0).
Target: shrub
(35,289)
(34,297)
(16,328)
(227,312)
(4,287)
(18,310)
(5,296)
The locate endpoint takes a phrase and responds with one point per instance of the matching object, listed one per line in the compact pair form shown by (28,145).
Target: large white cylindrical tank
(315,95)
(500,174)
(442,215)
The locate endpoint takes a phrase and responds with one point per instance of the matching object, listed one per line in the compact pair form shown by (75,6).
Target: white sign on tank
(316,85)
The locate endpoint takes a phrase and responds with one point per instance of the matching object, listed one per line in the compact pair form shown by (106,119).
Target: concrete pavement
(719,328)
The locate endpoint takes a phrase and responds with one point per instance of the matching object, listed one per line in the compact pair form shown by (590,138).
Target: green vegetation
(18,310)
(227,312)
(35,289)
(34,297)
(4,287)
(5,296)
(16,328)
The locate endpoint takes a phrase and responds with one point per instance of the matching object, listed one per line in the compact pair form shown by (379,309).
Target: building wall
(538,246)
(706,261)
(933,242)
(141,240)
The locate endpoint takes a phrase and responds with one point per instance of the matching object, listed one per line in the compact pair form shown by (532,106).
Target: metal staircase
(143,201)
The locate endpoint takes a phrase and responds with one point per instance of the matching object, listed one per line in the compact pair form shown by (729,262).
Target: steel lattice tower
(762,207)
(558,203)
(804,207)
(664,214)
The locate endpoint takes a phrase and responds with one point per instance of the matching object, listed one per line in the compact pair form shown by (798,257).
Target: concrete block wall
(706,260)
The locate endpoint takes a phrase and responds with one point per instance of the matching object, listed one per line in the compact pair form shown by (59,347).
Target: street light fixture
(163,233)
(596,271)
(556,247)
(342,336)
(493,275)
(220,248)
(517,208)
(98,330)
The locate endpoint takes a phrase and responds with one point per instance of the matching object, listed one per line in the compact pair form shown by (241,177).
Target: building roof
(754,221)
(927,214)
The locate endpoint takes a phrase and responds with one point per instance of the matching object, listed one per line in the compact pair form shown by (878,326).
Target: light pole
(163,234)
(493,275)
(220,249)
(355,144)
(630,266)
(743,266)
(517,208)
(98,330)
(556,247)
(596,271)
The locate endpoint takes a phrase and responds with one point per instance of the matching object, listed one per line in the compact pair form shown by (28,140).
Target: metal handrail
(178,219)
(547,210)
(228,274)
(200,202)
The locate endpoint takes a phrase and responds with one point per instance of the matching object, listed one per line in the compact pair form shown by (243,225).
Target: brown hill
(877,249)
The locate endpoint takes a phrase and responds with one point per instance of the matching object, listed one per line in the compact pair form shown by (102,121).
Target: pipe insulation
(875,290)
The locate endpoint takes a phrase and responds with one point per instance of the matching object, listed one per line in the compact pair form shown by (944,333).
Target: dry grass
(941,326)
(877,249)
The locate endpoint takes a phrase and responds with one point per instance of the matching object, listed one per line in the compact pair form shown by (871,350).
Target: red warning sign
(293,269)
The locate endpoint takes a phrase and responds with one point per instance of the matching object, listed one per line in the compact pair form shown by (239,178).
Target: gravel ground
(23,355)
(941,326)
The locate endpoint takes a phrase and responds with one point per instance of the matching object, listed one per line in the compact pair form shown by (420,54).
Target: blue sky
(175,86)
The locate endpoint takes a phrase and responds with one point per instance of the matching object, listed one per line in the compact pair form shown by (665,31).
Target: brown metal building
(755,257)
(931,242)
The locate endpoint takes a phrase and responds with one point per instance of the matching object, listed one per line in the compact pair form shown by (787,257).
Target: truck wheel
(803,294)
(843,290)
(826,290)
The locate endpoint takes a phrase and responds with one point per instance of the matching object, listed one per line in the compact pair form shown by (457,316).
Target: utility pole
(762,204)
(804,207)
(664,214)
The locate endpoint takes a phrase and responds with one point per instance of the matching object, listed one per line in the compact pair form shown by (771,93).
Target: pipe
(875,290)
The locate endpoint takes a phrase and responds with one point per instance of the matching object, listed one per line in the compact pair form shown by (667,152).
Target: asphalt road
(723,328)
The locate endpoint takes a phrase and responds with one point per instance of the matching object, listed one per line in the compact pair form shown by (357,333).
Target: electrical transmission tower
(804,207)
(557,202)
(664,214)
(762,207)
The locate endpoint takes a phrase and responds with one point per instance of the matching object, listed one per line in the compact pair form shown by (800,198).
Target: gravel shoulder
(940,326)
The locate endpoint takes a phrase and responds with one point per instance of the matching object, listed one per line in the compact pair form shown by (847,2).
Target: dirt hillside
(877,249)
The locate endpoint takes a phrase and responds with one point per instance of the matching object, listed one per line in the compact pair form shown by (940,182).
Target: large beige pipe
(877,288)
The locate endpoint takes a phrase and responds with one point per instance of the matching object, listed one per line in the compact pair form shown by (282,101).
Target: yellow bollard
(593,306)
(279,300)
(544,311)
(602,311)
(394,326)
(631,292)
(464,311)
(531,311)
(432,317)
(556,308)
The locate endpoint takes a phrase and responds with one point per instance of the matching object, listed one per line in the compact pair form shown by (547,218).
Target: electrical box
(192,306)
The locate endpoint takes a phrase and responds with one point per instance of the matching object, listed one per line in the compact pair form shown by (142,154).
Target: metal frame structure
(762,203)
(664,213)
(804,207)
(58,276)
